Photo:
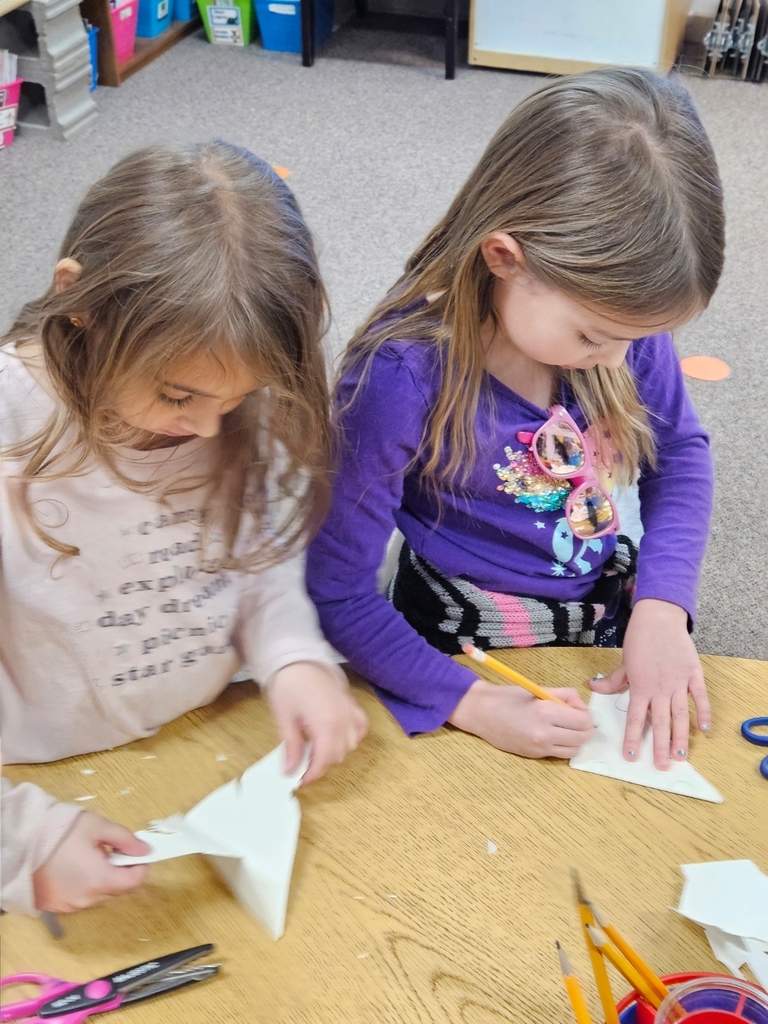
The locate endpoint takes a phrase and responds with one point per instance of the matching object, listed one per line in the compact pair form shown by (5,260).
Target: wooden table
(398,913)
(10,5)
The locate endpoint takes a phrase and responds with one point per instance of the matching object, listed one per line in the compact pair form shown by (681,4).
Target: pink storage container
(124,29)
(9,105)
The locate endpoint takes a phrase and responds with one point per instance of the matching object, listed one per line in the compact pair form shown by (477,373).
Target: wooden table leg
(451,36)
(307,33)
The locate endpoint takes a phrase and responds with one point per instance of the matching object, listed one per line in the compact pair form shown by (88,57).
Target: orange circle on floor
(282,171)
(705,368)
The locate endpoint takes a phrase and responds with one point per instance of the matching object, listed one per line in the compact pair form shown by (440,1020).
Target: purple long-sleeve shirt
(483,533)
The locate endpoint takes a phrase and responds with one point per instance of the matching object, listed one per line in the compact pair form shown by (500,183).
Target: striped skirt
(449,611)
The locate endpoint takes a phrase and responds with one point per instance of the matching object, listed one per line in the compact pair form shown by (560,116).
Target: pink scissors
(69,1002)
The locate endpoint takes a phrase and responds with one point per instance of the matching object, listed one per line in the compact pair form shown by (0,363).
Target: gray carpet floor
(377,143)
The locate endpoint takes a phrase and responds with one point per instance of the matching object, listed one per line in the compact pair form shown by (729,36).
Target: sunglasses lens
(591,513)
(559,449)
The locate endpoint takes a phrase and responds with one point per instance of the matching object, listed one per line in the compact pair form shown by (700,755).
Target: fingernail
(705,727)
(631,753)
(682,753)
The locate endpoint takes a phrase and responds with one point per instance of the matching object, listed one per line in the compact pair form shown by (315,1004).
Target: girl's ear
(503,254)
(66,274)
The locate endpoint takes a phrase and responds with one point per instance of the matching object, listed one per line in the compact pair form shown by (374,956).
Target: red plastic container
(9,105)
(633,1009)
(124,20)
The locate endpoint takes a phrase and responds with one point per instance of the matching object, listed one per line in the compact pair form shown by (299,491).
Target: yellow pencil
(573,988)
(509,673)
(598,964)
(623,966)
(630,953)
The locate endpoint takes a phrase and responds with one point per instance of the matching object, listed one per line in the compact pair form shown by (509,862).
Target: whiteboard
(595,31)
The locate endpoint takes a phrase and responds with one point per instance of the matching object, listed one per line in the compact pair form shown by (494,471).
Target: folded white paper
(602,755)
(249,828)
(730,899)
(734,951)
(732,895)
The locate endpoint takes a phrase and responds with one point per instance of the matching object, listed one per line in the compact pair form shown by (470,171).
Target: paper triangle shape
(249,828)
(602,755)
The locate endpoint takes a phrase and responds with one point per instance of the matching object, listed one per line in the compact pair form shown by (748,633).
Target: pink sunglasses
(562,452)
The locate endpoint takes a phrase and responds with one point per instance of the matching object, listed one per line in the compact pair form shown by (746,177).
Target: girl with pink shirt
(163,459)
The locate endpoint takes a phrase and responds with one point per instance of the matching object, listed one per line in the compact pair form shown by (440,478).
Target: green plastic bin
(228,23)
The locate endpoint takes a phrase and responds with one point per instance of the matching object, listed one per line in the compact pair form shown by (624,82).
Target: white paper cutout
(602,755)
(249,828)
(730,899)
(732,895)
(492,847)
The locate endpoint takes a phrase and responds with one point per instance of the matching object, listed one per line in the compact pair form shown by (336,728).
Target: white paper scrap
(728,949)
(731,895)
(249,828)
(492,847)
(602,755)
(735,951)
(730,899)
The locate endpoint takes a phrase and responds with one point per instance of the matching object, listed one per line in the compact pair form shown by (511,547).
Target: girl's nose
(616,357)
(205,422)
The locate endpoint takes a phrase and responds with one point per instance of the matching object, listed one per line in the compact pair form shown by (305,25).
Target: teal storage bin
(93,46)
(280,23)
(154,17)
(183,10)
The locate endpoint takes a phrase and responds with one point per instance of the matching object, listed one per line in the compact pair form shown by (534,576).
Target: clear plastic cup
(714,1000)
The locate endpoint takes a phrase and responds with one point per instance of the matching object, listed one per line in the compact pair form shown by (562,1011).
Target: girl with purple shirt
(522,366)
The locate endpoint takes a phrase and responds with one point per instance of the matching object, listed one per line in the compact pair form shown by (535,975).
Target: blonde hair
(608,182)
(201,250)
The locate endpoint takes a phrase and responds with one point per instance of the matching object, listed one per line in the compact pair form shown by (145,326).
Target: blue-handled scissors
(760,739)
(68,1002)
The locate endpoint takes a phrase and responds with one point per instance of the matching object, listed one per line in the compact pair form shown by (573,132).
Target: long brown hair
(608,182)
(200,250)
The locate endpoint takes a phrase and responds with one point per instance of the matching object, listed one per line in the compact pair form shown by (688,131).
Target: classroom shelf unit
(565,37)
(112,72)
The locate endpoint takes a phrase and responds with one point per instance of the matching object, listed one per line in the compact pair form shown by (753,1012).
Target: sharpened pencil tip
(565,964)
(599,916)
(597,936)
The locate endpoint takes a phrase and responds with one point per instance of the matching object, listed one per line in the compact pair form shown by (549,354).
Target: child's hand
(661,667)
(78,873)
(514,720)
(310,703)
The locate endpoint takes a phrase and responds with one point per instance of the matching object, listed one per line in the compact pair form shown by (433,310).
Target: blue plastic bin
(93,43)
(183,10)
(154,17)
(280,23)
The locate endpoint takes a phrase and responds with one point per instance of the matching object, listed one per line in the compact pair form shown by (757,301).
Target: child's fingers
(360,721)
(633,733)
(680,725)
(612,683)
(567,694)
(575,738)
(574,716)
(119,880)
(698,691)
(319,762)
(292,736)
(110,833)
(566,752)
(661,724)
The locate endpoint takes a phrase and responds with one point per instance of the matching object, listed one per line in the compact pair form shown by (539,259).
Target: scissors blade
(141,974)
(107,989)
(171,981)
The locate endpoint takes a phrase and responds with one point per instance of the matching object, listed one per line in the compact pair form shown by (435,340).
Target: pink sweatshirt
(104,648)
